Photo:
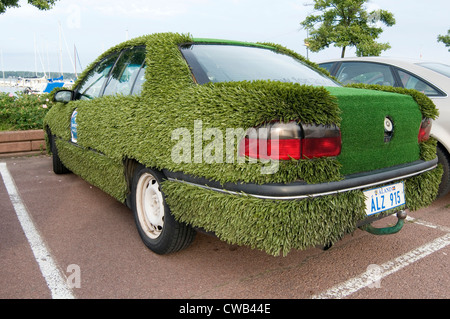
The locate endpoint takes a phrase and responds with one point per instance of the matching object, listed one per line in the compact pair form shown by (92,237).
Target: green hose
(401,215)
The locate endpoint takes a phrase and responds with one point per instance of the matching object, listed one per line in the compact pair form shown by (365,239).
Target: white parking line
(428,224)
(56,281)
(367,279)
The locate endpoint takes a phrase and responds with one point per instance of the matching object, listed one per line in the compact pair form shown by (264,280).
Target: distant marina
(33,85)
(39,82)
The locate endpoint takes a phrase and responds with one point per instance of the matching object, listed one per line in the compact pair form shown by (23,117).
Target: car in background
(430,78)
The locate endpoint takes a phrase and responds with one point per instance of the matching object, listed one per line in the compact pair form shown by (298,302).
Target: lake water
(8,89)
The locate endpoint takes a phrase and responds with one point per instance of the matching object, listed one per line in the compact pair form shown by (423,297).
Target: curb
(19,143)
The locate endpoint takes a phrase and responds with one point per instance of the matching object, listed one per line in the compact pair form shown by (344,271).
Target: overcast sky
(95,25)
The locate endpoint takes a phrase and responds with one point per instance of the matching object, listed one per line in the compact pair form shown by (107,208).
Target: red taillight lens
(321,147)
(321,141)
(285,141)
(270,149)
(425,130)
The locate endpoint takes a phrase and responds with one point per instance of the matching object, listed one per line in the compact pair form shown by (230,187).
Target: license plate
(384,198)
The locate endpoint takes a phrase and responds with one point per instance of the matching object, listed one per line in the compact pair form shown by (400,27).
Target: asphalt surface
(78,242)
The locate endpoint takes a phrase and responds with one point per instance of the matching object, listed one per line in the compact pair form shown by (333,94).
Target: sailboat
(47,85)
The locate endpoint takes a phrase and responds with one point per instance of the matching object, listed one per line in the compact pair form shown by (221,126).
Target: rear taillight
(285,141)
(321,141)
(424,130)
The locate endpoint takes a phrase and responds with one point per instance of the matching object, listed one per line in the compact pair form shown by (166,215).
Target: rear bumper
(300,190)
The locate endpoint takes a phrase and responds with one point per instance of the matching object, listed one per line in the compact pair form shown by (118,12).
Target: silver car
(430,78)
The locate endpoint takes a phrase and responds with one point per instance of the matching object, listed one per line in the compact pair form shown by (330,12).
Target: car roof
(408,64)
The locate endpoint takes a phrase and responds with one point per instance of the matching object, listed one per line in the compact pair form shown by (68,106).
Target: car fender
(440,129)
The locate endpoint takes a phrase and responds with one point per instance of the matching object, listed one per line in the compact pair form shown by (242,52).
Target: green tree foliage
(346,23)
(40,4)
(445,39)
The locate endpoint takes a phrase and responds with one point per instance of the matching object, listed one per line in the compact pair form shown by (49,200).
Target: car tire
(443,159)
(157,227)
(58,166)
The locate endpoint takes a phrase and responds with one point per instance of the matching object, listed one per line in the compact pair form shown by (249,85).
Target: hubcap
(150,205)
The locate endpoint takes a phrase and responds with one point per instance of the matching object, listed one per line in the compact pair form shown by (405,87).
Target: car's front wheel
(58,166)
(157,227)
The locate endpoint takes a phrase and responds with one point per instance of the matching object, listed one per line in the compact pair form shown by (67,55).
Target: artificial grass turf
(362,129)
(274,226)
(141,128)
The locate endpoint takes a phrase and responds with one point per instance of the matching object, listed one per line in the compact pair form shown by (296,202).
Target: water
(8,89)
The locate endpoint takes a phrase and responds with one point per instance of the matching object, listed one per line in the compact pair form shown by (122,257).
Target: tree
(445,39)
(40,4)
(346,23)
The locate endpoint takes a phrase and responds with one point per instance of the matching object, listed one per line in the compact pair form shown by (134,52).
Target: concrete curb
(19,143)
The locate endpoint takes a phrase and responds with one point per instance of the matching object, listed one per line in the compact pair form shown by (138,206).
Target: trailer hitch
(401,215)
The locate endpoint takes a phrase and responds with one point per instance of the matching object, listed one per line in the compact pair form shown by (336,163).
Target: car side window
(409,81)
(125,72)
(92,85)
(140,78)
(363,72)
(327,66)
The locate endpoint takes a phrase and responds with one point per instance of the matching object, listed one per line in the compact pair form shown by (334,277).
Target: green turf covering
(362,127)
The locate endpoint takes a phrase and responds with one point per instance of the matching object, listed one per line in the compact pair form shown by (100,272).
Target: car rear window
(226,63)
(437,67)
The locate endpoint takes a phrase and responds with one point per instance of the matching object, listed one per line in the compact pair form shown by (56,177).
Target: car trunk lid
(379,129)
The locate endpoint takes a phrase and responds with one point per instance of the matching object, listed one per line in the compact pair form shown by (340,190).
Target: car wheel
(58,166)
(157,227)
(443,159)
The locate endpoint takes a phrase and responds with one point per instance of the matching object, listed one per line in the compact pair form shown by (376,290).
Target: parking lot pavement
(83,244)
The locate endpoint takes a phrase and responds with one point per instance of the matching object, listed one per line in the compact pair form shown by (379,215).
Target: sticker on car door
(73,126)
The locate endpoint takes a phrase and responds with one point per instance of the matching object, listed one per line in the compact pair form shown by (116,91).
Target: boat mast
(75,59)
(60,49)
(35,56)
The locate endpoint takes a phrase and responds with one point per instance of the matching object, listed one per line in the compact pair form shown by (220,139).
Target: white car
(431,78)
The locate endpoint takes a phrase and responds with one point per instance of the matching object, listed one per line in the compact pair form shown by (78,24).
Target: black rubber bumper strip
(301,189)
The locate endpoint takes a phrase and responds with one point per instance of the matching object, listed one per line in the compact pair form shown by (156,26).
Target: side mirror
(63,96)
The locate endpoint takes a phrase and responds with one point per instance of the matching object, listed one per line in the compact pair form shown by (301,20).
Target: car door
(121,73)
(91,87)
(95,120)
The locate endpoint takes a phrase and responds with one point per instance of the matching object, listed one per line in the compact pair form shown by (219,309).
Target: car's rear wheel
(157,227)
(443,159)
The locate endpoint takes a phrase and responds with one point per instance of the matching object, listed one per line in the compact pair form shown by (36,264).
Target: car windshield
(443,69)
(226,63)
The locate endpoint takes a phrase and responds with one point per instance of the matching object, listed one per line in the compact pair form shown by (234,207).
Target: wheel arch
(48,136)
(443,149)
(444,186)
(130,165)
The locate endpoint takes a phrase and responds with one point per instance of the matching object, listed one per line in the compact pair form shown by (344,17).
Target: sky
(33,40)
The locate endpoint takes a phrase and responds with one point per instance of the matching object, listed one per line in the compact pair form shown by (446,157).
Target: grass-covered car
(249,141)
